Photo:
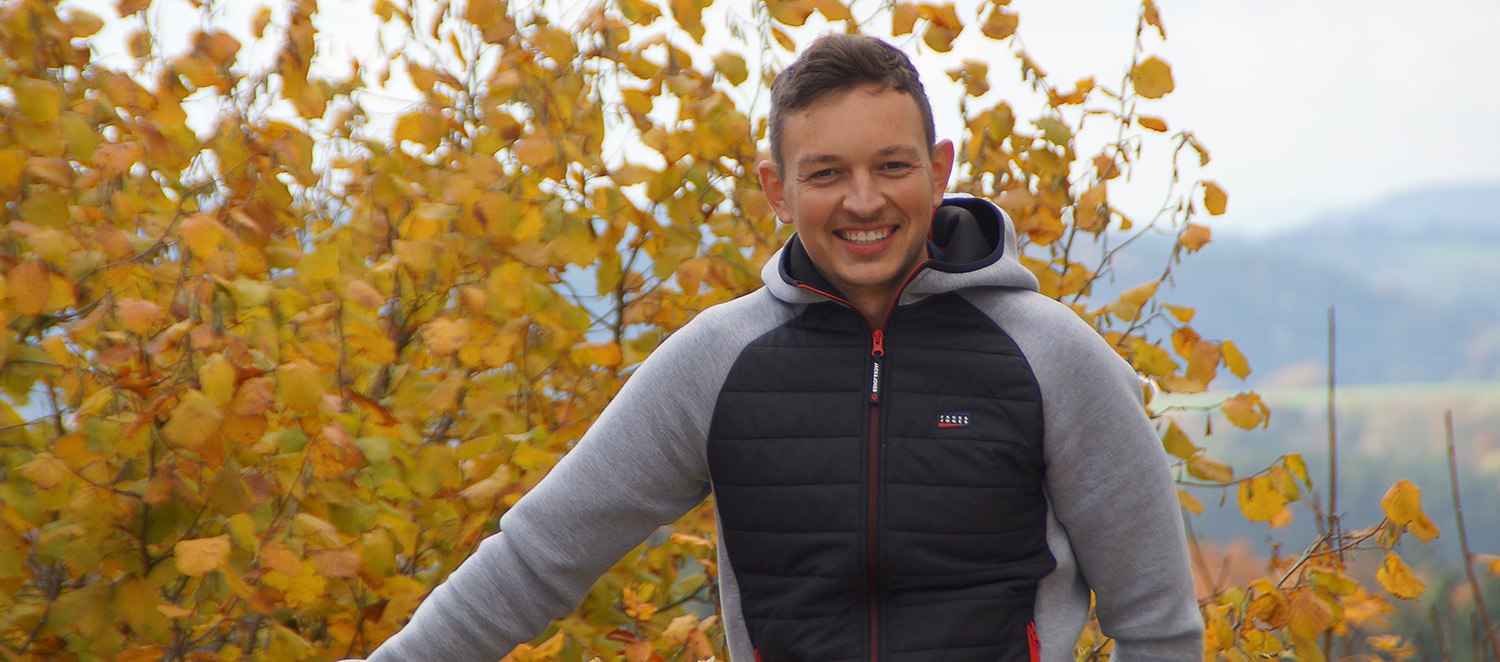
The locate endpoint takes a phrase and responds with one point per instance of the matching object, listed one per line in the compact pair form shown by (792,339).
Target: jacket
(947,487)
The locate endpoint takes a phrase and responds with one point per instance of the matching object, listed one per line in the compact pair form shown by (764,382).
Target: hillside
(1414,281)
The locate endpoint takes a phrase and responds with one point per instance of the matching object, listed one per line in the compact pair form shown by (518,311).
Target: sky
(1307,107)
(1311,106)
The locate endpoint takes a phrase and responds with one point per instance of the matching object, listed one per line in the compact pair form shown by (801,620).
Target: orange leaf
(201,555)
(1194,237)
(1215,200)
(1245,410)
(30,287)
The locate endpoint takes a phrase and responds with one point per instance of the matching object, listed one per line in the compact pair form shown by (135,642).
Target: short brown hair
(837,62)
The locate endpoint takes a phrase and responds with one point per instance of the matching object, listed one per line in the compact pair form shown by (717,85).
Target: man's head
(858,172)
(836,63)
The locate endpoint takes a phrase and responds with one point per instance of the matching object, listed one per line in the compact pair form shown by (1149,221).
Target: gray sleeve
(641,465)
(1109,487)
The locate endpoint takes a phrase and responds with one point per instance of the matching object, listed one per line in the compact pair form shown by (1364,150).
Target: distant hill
(1414,280)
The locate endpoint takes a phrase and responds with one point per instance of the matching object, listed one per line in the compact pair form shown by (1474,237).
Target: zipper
(877,354)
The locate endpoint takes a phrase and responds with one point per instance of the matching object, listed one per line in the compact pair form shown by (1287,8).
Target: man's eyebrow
(906,151)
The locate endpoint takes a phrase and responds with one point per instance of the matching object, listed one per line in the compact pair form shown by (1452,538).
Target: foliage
(266,384)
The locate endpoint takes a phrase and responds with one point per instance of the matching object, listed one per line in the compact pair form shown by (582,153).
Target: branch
(1463,540)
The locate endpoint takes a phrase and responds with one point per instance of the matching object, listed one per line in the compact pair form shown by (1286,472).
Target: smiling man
(915,456)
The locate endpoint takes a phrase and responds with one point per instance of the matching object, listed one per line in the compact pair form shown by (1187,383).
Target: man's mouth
(865,237)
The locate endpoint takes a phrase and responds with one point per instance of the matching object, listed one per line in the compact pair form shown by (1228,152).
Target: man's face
(860,185)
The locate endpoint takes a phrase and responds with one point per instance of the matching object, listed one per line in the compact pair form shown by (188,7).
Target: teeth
(865,236)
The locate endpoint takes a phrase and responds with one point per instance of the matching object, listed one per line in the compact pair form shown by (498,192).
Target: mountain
(1414,282)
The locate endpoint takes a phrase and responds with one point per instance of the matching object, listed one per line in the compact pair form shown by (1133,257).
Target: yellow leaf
(216,380)
(1140,294)
(140,44)
(555,44)
(903,18)
(1335,582)
(1202,467)
(639,12)
(1245,410)
(1233,359)
(201,233)
(731,67)
(446,335)
(1295,464)
(337,563)
(1309,615)
(689,17)
(1154,123)
(194,421)
(82,24)
(535,152)
(1259,500)
(1091,213)
(426,128)
(45,471)
(1000,24)
(30,287)
(1177,442)
(1403,505)
(1214,198)
(939,38)
(1203,361)
(678,630)
(1398,579)
(1152,78)
(1189,502)
(228,493)
(38,100)
(301,385)
(637,608)
(1151,360)
(201,555)
(1152,17)
(261,20)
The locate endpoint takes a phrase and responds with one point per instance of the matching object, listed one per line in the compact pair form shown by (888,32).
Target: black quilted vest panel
(923,542)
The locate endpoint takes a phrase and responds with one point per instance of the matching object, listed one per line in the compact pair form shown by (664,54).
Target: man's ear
(774,188)
(942,168)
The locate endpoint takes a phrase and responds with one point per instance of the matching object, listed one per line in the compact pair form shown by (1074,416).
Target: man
(915,456)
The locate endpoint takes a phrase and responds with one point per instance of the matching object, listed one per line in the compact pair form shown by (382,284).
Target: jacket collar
(790,272)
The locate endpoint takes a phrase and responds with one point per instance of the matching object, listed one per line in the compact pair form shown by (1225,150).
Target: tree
(265,385)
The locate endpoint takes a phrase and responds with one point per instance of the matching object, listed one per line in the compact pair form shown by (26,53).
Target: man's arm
(1110,489)
(640,465)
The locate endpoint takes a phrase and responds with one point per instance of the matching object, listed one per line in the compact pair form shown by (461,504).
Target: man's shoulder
(731,325)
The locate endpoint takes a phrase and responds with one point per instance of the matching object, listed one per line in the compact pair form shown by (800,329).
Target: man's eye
(823,174)
(896,166)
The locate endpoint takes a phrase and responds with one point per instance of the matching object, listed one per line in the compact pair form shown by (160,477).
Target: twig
(1463,540)
(1334,533)
(1442,641)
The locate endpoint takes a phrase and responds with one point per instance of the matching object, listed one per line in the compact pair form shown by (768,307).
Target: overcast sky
(1306,106)
(1310,106)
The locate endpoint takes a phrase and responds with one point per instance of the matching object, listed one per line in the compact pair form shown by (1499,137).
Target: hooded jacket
(951,486)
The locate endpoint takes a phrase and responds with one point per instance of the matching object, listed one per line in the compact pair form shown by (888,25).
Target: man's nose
(864,198)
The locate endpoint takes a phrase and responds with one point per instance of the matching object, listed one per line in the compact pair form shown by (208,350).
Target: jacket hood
(973,244)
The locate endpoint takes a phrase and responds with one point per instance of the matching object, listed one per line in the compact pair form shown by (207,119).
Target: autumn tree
(265,384)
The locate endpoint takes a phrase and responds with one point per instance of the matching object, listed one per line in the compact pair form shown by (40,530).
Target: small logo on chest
(953,419)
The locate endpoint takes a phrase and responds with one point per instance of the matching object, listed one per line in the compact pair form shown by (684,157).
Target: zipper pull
(879,348)
(877,351)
